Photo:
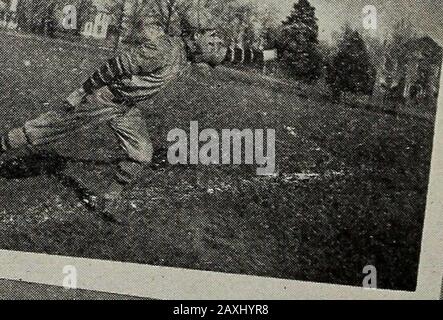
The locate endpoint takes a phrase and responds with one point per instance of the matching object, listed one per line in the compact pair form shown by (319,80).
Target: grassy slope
(325,229)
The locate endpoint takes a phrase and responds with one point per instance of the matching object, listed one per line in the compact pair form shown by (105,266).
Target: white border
(179,284)
(170,283)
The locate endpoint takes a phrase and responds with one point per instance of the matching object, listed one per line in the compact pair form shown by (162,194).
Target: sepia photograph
(283,139)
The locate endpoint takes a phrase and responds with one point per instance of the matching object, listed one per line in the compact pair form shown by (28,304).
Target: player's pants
(127,123)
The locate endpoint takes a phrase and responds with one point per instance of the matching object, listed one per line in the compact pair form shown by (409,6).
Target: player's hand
(76,98)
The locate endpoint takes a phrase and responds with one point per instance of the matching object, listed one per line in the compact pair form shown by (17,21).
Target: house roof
(425,47)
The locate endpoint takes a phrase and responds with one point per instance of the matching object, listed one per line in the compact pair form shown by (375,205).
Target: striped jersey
(142,72)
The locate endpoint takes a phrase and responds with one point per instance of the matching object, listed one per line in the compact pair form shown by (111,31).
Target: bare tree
(135,18)
(235,20)
(243,22)
(130,16)
(168,13)
(117,9)
(403,32)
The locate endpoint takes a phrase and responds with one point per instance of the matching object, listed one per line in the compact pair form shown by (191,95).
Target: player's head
(204,45)
(207,47)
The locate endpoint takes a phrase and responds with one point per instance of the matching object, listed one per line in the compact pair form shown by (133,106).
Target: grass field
(365,206)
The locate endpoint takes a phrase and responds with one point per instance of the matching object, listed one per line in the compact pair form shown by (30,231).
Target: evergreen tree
(351,69)
(32,14)
(299,42)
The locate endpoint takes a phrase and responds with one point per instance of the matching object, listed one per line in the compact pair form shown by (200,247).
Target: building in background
(96,26)
(417,78)
(423,69)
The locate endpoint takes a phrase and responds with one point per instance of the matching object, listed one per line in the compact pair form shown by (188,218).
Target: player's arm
(115,69)
(118,68)
(144,59)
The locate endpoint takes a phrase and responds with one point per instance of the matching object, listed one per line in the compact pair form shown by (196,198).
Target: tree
(270,37)
(391,58)
(299,42)
(117,9)
(403,32)
(235,20)
(351,69)
(239,22)
(169,13)
(396,57)
(270,26)
(135,19)
(375,48)
(34,15)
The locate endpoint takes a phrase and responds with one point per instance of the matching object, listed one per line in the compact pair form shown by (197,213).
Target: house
(413,78)
(423,69)
(97,26)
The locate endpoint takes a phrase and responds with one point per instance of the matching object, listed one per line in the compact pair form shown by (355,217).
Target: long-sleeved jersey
(141,73)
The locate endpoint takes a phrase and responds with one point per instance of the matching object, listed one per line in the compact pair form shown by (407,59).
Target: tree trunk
(120,21)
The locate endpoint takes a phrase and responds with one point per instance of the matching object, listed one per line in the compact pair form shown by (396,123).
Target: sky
(426,15)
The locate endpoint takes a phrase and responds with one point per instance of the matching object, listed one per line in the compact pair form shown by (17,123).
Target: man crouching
(111,95)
